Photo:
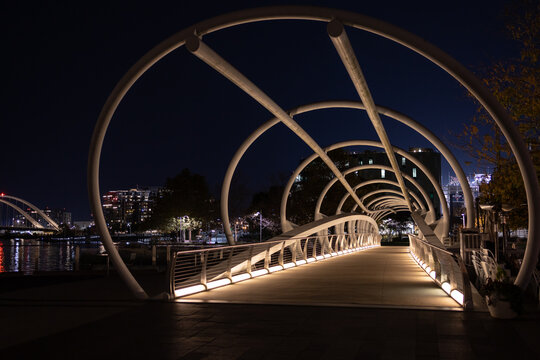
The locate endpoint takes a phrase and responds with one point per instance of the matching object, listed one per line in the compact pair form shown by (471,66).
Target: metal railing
(205,269)
(470,242)
(445,268)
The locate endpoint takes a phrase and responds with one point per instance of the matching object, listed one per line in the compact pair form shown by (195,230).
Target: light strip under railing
(190,290)
(455,294)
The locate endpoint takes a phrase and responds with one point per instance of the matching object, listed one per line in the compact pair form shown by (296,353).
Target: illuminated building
(125,208)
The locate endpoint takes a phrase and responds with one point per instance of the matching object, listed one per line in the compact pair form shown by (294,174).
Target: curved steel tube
(35,208)
(413,42)
(23,213)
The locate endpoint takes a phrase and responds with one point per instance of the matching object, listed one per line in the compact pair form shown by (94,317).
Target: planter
(500,309)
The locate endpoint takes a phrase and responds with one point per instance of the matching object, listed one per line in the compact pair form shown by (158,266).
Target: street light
(260,224)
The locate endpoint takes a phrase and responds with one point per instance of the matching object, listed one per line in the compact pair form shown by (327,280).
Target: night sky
(61,61)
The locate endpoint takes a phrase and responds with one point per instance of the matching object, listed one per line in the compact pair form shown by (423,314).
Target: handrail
(447,281)
(204,269)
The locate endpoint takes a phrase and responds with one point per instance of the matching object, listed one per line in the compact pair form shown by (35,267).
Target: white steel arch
(35,208)
(23,213)
(416,44)
(393,183)
(409,122)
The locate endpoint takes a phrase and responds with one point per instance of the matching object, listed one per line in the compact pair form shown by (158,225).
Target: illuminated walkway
(378,277)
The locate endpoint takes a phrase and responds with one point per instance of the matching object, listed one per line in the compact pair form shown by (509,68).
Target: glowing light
(326,256)
(301,262)
(310,260)
(428,269)
(340,252)
(433,274)
(259,272)
(334,254)
(446,287)
(320,257)
(189,290)
(218,283)
(289,265)
(457,295)
(275,268)
(240,277)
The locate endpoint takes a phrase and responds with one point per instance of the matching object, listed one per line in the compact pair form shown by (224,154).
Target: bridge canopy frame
(325,15)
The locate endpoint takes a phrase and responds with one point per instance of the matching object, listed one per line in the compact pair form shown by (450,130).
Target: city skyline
(171,120)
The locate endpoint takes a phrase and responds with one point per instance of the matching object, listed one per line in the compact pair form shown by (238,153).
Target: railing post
(204,261)
(305,249)
(229,261)
(280,259)
(293,252)
(172,268)
(267,257)
(250,255)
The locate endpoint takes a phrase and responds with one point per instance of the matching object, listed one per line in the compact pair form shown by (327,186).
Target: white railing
(200,270)
(445,268)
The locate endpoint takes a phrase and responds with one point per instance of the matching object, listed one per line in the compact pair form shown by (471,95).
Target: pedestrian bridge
(341,234)
(375,277)
(308,266)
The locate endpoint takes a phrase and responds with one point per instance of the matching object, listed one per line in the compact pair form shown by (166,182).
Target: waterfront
(30,255)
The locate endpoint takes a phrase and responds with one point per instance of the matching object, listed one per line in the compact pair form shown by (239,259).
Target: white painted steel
(386,30)
(341,42)
(35,208)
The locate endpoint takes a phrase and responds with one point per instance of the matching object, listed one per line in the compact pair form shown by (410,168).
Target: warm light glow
(275,268)
(334,254)
(189,290)
(340,252)
(433,274)
(326,256)
(457,295)
(218,283)
(288,265)
(428,269)
(240,277)
(301,262)
(310,260)
(446,287)
(319,257)
(259,272)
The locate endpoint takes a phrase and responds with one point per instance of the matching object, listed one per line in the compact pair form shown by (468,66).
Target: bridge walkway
(377,277)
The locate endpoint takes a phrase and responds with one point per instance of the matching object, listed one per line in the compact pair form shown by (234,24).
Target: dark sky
(61,61)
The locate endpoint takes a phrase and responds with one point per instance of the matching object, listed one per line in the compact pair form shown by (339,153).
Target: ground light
(453,293)
(258,273)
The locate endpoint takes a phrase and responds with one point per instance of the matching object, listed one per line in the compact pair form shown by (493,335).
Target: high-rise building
(124,208)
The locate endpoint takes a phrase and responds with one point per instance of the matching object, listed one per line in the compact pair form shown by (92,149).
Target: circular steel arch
(383,29)
(388,182)
(346,104)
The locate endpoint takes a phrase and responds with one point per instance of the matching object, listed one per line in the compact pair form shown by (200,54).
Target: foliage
(502,289)
(307,189)
(186,194)
(515,83)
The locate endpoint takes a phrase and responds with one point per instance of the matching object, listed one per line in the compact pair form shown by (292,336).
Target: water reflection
(29,256)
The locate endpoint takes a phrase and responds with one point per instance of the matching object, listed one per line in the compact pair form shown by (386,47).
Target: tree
(515,83)
(186,194)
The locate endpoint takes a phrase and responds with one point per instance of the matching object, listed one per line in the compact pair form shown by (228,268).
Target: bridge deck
(378,277)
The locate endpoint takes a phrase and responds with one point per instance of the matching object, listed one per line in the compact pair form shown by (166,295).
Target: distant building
(125,208)
(454,194)
(430,158)
(59,216)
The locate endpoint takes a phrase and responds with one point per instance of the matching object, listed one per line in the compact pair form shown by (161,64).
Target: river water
(29,256)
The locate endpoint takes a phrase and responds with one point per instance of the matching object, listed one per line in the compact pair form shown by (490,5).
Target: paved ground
(377,277)
(233,331)
(95,319)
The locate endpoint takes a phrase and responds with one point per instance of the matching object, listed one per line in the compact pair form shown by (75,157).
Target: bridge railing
(445,268)
(205,269)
